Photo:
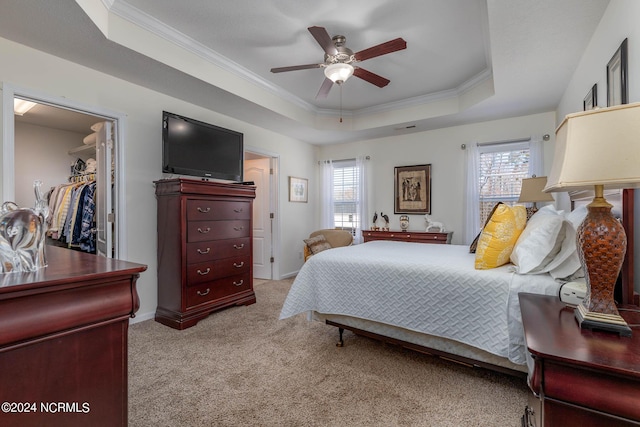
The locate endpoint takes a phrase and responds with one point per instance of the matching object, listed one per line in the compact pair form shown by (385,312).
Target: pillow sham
(567,262)
(474,245)
(317,244)
(499,236)
(540,241)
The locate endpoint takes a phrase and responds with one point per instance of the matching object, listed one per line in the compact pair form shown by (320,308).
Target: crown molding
(147,22)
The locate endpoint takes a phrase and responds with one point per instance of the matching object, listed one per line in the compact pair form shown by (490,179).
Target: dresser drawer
(215,269)
(217,289)
(200,231)
(217,249)
(211,210)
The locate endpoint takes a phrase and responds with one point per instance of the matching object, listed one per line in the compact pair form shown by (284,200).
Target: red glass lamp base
(602,244)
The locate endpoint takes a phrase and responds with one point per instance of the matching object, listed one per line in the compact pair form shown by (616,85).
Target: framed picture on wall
(617,75)
(412,189)
(591,100)
(298,189)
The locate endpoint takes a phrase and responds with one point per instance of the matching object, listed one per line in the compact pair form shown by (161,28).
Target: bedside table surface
(552,333)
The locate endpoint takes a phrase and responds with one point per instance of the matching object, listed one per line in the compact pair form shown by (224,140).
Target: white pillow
(567,262)
(540,241)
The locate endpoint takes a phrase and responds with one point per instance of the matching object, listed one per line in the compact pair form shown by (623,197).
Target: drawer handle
(205,231)
(239,247)
(204,293)
(238,265)
(239,283)
(205,273)
(201,252)
(238,228)
(237,210)
(203,210)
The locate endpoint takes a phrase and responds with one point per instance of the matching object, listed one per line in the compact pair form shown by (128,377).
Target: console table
(579,377)
(407,236)
(63,341)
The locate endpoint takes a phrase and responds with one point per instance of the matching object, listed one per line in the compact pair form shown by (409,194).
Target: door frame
(274,205)
(7,154)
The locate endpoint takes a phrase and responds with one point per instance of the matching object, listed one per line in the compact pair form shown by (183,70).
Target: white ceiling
(466,60)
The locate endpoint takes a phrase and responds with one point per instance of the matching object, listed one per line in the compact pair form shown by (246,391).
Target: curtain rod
(545,137)
(342,160)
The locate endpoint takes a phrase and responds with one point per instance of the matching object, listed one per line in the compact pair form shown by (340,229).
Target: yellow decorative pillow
(499,236)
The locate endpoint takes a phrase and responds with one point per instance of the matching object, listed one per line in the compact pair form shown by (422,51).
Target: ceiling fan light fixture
(338,72)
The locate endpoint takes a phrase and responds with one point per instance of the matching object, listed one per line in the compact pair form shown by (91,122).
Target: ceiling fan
(339,60)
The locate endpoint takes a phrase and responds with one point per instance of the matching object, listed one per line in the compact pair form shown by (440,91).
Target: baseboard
(288,275)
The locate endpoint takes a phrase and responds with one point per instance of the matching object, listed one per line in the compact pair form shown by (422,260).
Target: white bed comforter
(432,289)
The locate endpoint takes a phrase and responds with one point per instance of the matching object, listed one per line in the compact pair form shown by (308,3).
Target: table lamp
(599,149)
(531,192)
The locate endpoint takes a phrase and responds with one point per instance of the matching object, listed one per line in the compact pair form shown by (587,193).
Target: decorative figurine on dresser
(433,226)
(204,249)
(386,221)
(22,234)
(404,222)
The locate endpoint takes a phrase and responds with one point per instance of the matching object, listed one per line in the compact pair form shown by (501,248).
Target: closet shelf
(82,148)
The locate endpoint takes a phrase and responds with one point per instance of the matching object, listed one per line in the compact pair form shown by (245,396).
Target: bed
(433,299)
(442,299)
(426,297)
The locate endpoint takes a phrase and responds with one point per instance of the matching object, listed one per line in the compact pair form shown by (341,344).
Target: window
(346,182)
(501,169)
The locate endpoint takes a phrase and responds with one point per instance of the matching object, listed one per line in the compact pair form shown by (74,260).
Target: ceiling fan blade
(381,49)
(324,40)
(295,67)
(324,89)
(371,77)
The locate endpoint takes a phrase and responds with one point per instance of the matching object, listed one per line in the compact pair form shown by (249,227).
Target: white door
(258,171)
(104,188)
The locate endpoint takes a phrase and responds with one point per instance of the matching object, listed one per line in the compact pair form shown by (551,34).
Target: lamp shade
(597,147)
(532,190)
(338,72)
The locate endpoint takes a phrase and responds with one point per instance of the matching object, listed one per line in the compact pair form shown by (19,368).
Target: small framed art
(591,100)
(617,84)
(298,189)
(412,189)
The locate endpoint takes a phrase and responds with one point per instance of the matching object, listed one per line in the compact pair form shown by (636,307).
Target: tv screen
(194,148)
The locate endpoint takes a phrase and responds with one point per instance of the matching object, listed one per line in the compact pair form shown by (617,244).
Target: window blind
(500,176)
(346,180)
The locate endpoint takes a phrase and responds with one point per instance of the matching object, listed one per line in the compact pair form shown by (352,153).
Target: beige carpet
(244,367)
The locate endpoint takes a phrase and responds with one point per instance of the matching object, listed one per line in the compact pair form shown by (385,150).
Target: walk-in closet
(72,154)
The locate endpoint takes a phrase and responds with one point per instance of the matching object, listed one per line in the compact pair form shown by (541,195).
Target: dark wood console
(579,377)
(63,341)
(408,236)
(205,255)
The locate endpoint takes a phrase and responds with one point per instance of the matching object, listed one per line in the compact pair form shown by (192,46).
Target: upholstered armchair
(321,240)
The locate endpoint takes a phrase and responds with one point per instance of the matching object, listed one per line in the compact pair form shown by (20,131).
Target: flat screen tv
(194,148)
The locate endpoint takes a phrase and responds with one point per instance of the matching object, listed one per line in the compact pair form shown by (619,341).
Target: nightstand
(579,377)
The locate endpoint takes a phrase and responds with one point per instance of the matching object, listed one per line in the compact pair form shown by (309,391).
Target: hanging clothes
(72,219)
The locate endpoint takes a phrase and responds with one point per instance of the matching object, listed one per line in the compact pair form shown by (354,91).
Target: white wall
(28,68)
(620,21)
(41,153)
(440,148)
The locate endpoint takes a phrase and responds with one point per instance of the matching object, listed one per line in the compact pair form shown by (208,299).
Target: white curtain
(472,219)
(326,194)
(536,155)
(362,197)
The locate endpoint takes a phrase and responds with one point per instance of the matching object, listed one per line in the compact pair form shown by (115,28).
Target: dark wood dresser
(408,236)
(579,377)
(205,255)
(63,341)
